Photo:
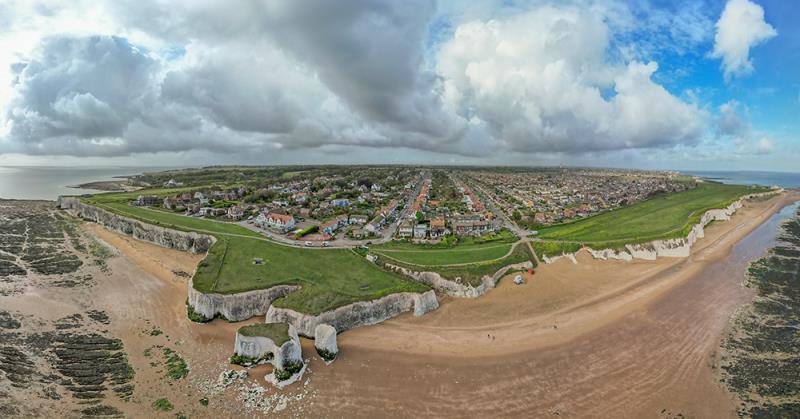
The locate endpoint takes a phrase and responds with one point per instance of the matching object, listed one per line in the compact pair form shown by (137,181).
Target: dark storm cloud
(86,88)
(368,52)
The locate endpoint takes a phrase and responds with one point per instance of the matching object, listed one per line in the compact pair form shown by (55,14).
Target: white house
(282,222)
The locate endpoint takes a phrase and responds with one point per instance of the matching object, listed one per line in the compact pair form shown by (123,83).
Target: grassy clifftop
(329,278)
(664,217)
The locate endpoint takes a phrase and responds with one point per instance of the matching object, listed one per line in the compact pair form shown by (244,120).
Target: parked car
(308,244)
(326,244)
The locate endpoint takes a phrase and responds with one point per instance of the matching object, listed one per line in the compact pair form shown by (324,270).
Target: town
(315,206)
(536,198)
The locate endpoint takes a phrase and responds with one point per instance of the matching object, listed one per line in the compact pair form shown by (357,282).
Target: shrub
(163,405)
(289,369)
(326,354)
(306,231)
(194,316)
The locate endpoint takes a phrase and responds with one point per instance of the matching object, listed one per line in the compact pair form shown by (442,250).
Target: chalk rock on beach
(325,341)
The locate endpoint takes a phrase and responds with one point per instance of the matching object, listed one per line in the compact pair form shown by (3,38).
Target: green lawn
(474,272)
(431,257)
(664,217)
(465,250)
(329,278)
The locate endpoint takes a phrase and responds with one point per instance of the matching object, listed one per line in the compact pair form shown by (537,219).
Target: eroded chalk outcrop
(238,306)
(675,248)
(166,237)
(455,288)
(286,355)
(325,342)
(260,347)
(360,313)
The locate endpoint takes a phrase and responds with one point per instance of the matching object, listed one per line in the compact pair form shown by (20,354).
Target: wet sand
(596,339)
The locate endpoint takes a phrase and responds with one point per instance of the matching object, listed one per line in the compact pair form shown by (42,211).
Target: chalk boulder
(325,342)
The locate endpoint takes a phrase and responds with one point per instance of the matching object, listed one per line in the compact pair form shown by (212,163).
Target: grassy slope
(663,217)
(472,273)
(551,249)
(330,277)
(467,250)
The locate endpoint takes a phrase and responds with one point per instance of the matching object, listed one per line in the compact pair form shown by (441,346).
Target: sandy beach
(592,339)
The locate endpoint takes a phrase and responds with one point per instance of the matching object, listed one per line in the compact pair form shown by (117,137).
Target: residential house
(420,231)
(405,229)
(374,226)
(172,183)
(200,197)
(340,202)
(437,228)
(147,200)
(170,203)
(236,212)
(329,227)
(569,212)
(281,222)
(471,228)
(358,219)
(300,197)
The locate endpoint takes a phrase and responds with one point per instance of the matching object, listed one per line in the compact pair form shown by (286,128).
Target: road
(387,233)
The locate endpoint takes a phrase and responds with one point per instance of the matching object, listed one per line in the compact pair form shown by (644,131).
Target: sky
(653,84)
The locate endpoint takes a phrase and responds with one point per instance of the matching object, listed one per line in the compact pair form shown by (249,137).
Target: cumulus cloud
(540,81)
(740,28)
(294,75)
(78,92)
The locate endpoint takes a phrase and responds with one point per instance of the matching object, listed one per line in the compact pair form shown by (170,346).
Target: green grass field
(466,250)
(664,217)
(473,273)
(433,257)
(329,278)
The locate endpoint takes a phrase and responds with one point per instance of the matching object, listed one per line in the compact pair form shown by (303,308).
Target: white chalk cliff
(454,288)
(360,313)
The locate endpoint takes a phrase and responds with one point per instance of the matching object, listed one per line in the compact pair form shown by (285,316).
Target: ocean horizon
(48,182)
(750,177)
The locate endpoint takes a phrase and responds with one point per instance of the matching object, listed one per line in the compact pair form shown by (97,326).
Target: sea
(782,179)
(48,182)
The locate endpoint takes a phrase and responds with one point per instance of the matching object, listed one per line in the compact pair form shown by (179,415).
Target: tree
(420,216)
